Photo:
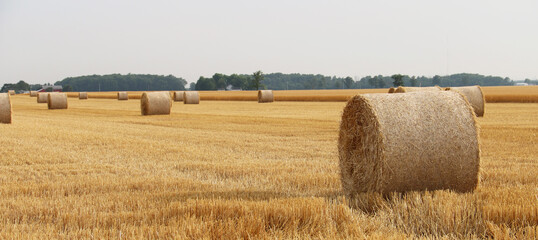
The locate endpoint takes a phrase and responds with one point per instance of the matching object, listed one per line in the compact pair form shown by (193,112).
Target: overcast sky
(46,41)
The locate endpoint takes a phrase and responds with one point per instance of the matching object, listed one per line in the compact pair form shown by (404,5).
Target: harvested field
(493,94)
(226,169)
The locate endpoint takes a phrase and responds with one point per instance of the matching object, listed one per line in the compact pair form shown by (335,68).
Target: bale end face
(42,97)
(82,95)
(391,90)
(265,96)
(123,96)
(33,93)
(155,103)
(191,97)
(6,111)
(178,96)
(57,101)
(383,152)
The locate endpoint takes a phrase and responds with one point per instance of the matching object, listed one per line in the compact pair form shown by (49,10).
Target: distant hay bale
(5,108)
(42,97)
(155,103)
(57,101)
(431,143)
(265,96)
(82,95)
(474,95)
(401,89)
(391,90)
(33,93)
(123,96)
(11,92)
(178,96)
(191,97)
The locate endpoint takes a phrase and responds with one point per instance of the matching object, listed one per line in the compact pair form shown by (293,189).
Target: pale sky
(47,41)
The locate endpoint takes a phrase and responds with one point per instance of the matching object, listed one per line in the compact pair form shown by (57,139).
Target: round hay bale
(82,95)
(191,97)
(178,96)
(11,92)
(408,142)
(123,96)
(391,90)
(5,108)
(265,96)
(57,101)
(474,95)
(42,97)
(33,93)
(401,89)
(155,103)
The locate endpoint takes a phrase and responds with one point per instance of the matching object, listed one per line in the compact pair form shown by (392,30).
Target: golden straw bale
(265,96)
(11,92)
(391,90)
(155,103)
(191,97)
(42,97)
(57,101)
(5,108)
(408,142)
(475,97)
(33,93)
(178,96)
(401,89)
(123,96)
(82,95)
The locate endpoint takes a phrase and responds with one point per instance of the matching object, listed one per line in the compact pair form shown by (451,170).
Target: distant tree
(348,82)
(192,86)
(436,80)
(258,78)
(338,84)
(414,81)
(398,80)
(67,88)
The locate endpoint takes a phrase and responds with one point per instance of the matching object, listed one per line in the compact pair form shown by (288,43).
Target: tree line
(118,82)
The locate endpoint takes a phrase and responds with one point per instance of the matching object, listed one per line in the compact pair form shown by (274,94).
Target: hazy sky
(46,41)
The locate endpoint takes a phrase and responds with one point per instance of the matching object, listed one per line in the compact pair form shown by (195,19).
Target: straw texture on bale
(42,97)
(265,96)
(391,90)
(5,108)
(408,142)
(57,101)
(11,92)
(191,97)
(155,103)
(123,96)
(33,93)
(474,95)
(178,96)
(401,89)
(82,95)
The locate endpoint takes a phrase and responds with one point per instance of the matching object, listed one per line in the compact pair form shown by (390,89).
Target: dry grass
(511,94)
(100,170)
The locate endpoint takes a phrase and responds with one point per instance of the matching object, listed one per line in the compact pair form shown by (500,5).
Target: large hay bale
(42,97)
(474,95)
(5,108)
(407,142)
(82,95)
(123,96)
(265,96)
(391,90)
(57,101)
(11,92)
(191,97)
(33,93)
(178,96)
(155,103)
(401,89)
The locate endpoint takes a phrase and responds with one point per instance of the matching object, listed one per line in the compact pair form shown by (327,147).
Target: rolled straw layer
(191,97)
(42,97)
(57,101)
(5,108)
(265,96)
(408,142)
(155,103)
(82,95)
(474,95)
(33,93)
(178,96)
